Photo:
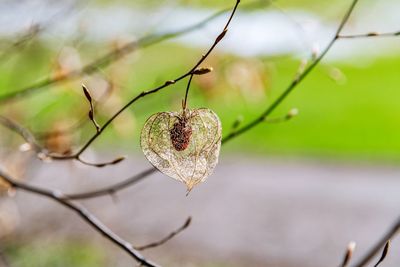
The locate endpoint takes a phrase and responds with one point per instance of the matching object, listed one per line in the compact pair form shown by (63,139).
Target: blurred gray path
(259,212)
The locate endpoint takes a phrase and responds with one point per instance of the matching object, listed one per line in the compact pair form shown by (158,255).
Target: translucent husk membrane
(196,162)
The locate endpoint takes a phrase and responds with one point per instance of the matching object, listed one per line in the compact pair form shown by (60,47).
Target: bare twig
(184,103)
(370,34)
(384,253)
(167,238)
(102,164)
(378,246)
(349,254)
(83,213)
(33,31)
(199,71)
(21,41)
(111,190)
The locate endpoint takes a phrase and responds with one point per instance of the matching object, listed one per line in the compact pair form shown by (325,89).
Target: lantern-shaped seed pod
(183,145)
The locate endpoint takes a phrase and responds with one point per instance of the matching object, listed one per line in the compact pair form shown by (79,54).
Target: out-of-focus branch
(33,31)
(24,133)
(41,152)
(83,213)
(21,41)
(370,34)
(167,238)
(393,230)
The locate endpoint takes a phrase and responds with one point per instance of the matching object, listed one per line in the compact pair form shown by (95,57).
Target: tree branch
(110,190)
(83,213)
(370,34)
(379,245)
(167,238)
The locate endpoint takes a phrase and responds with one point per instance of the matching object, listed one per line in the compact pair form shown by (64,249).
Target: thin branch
(33,31)
(111,190)
(167,238)
(378,246)
(295,82)
(349,253)
(184,104)
(24,133)
(199,71)
(110,57)
(103,164)
(370,34)
(41,152)
(21,41)
(83,213)
(384,253)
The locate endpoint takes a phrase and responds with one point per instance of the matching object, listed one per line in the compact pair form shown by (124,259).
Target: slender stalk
(184,105)
(167,238)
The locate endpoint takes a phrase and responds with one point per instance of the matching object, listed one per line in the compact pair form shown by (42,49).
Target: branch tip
(349,254)
(384,253)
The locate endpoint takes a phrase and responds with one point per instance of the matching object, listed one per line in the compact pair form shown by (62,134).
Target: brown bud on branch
(91,111)
(202,71)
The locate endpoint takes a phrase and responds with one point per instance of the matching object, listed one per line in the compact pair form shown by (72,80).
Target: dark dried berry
(180,134)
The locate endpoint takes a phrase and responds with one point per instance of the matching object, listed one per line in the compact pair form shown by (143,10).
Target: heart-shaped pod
(183,145)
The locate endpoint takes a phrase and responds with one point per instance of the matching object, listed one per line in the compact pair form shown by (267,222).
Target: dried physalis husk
(183,145)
